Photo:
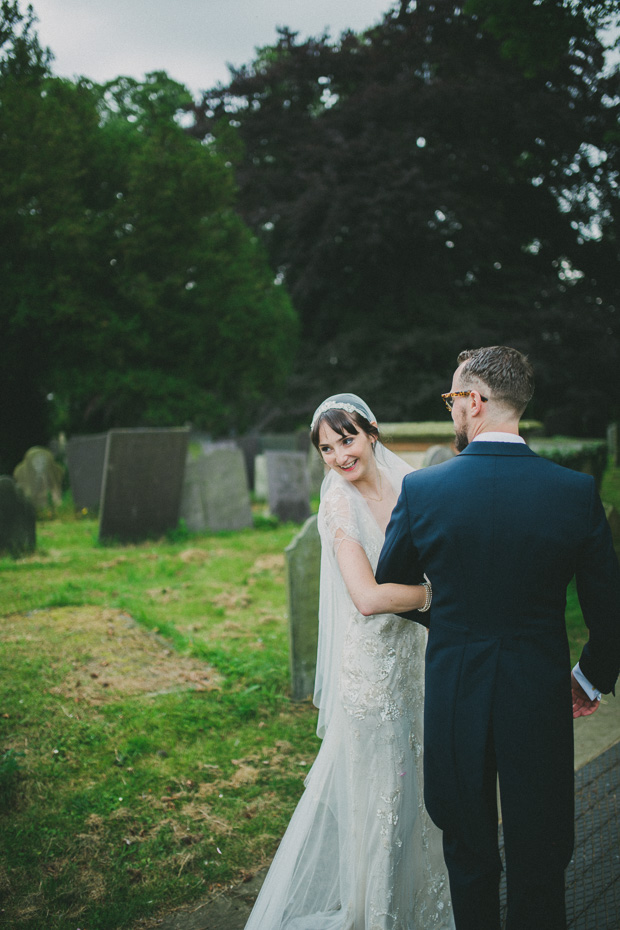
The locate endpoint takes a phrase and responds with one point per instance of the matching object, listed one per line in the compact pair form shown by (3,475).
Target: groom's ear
(476,403)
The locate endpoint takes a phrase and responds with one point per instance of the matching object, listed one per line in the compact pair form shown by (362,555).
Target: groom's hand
(583,706)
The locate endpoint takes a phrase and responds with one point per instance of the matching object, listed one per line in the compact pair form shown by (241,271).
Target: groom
(500,532)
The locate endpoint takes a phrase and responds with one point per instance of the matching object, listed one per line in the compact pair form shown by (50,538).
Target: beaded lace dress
(360,852)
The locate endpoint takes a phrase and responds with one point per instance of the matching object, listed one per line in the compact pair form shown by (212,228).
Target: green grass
(149,753)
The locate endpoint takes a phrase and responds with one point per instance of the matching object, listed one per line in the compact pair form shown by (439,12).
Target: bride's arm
(368,596)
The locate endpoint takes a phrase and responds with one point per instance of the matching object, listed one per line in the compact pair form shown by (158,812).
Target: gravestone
(613,443)
(303,568)
(40,478)
(316,470)
(215,491)
(435,455)
(85,460)
(17,519)
(288,485)
(261,490)
(142,482)
(250,446)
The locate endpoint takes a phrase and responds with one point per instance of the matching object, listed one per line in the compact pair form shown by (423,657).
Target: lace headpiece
(349,402)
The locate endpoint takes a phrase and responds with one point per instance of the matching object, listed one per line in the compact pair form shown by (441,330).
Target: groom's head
(500,381)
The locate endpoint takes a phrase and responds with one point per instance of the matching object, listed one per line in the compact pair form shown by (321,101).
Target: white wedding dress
(360,852)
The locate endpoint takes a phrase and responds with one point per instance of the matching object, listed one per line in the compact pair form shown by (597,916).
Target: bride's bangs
(342,422)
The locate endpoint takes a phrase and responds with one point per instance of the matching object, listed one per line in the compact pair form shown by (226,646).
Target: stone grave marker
(40,477)
(261,490)
(303,568)
(85,460)
(250,446)
(215,490)
(142,482)
(17,519)
(288,485)
(435,455)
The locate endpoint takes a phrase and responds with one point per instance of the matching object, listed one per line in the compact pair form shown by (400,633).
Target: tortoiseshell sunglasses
(448,399)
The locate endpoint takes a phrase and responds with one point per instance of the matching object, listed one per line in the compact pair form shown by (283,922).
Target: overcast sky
(193,40)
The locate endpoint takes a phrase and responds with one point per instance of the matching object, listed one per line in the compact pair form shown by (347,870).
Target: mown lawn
(149,752)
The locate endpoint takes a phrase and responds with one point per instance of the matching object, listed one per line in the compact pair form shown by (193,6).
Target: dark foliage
(422,188)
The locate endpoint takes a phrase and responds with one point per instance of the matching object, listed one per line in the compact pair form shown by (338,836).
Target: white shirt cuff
(593,693)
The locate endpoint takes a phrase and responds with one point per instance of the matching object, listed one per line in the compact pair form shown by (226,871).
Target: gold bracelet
(429,597)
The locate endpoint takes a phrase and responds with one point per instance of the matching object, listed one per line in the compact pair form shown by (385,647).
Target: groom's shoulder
(430,473)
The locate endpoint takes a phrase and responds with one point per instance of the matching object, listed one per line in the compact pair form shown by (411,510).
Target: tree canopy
(133,292)
(423,187)
(447,179)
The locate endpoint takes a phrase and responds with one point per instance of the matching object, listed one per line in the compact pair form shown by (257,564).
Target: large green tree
(187,321)
(420,191)
(133,293)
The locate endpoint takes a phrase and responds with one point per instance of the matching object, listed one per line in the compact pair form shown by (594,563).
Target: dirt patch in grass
(274,564)
(109,655)
(231,600)
(194,555)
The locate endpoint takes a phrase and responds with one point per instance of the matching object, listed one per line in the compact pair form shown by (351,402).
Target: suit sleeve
(598,588)
(399,560)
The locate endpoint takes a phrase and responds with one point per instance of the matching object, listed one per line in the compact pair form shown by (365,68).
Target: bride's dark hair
(341,421)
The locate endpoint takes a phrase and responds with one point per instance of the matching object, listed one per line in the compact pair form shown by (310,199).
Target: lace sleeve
(338,519)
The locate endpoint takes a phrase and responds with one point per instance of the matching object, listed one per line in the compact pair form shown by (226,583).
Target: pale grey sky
(193,40)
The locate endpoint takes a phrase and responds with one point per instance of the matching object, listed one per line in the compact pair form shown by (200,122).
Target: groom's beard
(460,440)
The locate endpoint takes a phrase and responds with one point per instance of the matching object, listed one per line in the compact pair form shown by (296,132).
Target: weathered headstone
(303,567)
(288,485)
(17,519)
(613,443)
(142,482)
(250,446)
(85,460)
(215,491)
(316,470)
(435,455)
(40,478)
(261,490)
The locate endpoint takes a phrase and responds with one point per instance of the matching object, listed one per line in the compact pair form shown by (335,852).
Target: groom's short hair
(506,372)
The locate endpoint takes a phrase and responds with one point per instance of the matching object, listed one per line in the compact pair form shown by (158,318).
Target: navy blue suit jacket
(501,532)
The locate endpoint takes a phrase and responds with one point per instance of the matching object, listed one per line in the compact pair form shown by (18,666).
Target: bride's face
(350,455)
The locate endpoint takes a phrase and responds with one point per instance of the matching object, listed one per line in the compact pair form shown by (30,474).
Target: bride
(360,852)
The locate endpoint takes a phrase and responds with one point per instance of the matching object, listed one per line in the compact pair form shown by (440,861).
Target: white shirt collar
(498,437)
